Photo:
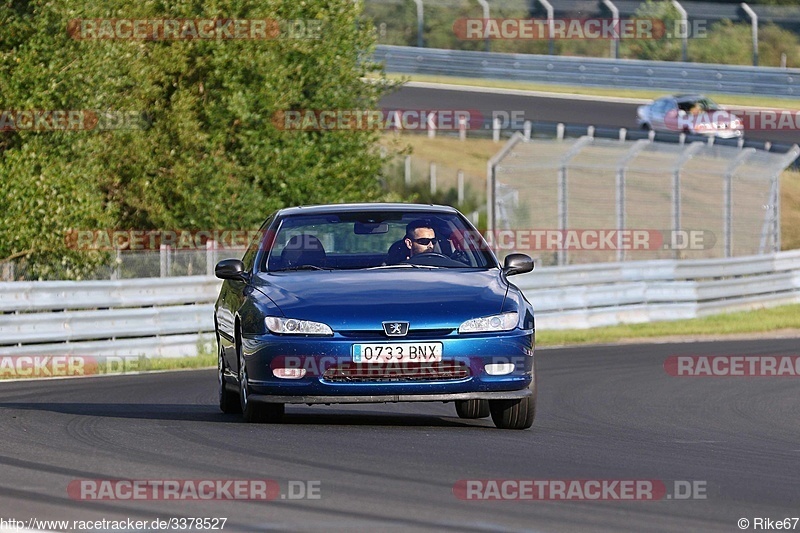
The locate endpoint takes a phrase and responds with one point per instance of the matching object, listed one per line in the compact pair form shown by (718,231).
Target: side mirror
(232,269)
(517,264)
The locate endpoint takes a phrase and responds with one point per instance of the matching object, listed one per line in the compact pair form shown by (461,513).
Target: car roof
(688,97)
(363,207)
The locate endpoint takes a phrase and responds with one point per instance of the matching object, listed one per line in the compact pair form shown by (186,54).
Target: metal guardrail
(144,321)
(157,317)
(592,72)
(583,296)
(34,296)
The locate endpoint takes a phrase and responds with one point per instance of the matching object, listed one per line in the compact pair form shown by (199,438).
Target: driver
(420,237)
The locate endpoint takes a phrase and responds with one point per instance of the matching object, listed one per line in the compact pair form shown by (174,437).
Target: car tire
(513,414)
(472,408)
(255,412)
(228,400)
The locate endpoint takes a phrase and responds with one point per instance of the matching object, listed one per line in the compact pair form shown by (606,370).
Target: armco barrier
(600,294)
(157,317)
(167,317)
(592,72)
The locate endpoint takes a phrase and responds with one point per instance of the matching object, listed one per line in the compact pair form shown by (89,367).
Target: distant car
(692,113)
(329,306)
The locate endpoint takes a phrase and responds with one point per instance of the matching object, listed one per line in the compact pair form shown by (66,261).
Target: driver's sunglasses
(424,241)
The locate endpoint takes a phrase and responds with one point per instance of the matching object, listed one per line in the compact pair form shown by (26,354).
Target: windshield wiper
(401,265)
(301,267)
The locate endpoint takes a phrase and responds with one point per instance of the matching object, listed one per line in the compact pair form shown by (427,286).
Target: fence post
(407,171)
(460,187)
(563,212)
(165,256)
(563,219)
(8,271)
(117,263)
(210,259)
(420,24)
(754,21)
(526,130)
(676,190)
(433,178)
(727,199)
(620,192)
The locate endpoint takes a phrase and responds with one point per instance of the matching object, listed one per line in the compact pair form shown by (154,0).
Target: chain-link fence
(129,264)
(592,200)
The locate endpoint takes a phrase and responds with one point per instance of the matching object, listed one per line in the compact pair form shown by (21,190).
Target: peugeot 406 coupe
(690,113)
(374,303)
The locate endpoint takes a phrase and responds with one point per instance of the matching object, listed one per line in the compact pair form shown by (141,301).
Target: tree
(210,155)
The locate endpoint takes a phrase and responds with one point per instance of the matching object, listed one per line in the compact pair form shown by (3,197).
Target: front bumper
(316,355)
(501,395)
(722,133)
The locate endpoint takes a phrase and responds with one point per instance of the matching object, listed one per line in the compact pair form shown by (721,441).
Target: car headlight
(502,322)
(293,326)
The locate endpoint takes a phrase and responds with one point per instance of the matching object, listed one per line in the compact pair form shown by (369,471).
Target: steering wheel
(432,259)
(430,254)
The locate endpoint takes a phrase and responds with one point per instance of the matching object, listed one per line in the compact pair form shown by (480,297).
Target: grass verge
(762,322)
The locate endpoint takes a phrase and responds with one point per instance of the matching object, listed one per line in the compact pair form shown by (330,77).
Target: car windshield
(702,104)
(376,240)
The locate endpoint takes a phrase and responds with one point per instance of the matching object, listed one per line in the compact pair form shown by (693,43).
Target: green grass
(762,321)
(725,99)
(182,363)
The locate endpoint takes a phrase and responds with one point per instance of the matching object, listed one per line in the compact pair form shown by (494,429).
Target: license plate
(419,352)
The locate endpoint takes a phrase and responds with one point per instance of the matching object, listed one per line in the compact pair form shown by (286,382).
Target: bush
(210,157)
(732,44)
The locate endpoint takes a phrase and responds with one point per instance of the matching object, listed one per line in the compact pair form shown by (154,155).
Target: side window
(249,257)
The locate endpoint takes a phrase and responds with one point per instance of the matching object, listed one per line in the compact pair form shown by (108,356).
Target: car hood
(719,115)
(362,300)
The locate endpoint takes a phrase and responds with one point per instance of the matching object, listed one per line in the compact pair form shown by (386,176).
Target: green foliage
(665,48)
(210,157)
(419,190)
(730,43)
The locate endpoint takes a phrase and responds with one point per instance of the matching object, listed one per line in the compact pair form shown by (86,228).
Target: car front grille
(383,372)
(378,333)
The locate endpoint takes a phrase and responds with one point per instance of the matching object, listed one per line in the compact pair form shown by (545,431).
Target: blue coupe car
(373,303)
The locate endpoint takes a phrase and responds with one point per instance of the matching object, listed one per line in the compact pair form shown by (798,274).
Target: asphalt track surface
(598,113)
(607,412)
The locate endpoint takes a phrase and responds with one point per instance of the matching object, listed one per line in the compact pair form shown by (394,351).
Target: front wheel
(472,408)
(255,412)
(513,414)
(228,400)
